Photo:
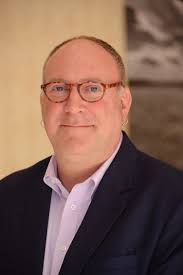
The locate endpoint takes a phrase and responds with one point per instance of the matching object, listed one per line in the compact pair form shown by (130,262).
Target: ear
(41,98)
(126,100)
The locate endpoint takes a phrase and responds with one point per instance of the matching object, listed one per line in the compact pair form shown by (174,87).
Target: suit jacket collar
(109,201)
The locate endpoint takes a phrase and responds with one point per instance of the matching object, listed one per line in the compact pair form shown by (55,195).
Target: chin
(76,140)
(73,145)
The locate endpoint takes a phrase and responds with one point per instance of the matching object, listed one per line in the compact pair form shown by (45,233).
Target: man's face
(77,127)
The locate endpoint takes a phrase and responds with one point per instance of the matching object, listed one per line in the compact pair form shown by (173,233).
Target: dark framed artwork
(155,66)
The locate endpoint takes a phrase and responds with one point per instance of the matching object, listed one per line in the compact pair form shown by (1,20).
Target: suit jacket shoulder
(151,165)
(23,177)
(24,211)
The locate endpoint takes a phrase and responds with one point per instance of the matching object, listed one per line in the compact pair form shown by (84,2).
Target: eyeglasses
(88,91)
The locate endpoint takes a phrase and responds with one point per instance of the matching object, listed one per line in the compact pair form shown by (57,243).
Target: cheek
(110,115)
(50,114)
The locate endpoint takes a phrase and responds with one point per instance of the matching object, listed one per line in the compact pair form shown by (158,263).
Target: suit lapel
(36,213)
(109,201)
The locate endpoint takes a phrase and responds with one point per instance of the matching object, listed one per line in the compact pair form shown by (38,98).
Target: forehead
(81,59)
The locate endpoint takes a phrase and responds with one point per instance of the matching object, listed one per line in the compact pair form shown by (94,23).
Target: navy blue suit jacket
(134,224)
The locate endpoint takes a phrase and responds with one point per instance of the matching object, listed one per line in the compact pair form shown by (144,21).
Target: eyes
(88,91)
(60,88)
(84,87)
(93,89)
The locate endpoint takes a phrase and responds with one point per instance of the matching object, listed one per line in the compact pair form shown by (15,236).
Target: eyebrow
(55,80)
(89,79)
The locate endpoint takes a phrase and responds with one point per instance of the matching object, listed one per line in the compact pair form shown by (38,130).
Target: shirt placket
(68,227)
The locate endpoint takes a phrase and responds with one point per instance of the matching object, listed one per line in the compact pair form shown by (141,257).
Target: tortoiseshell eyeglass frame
(78,85)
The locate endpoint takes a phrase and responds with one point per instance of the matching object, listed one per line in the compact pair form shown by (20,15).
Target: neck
(72,172)
(73,169)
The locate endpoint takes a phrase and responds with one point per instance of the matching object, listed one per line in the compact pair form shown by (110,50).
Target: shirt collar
(98,175)
(52,180)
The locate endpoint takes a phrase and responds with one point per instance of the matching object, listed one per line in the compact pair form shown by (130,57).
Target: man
(98,205)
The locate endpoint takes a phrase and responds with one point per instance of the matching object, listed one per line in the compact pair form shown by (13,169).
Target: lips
(64,125)
(88,120)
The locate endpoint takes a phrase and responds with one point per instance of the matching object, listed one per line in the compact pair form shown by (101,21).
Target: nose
(74,103)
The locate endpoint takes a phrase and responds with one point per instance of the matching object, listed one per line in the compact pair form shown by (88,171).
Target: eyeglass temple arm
(114,84)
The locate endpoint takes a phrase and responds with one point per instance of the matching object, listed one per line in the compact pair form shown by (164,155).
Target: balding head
(106,46)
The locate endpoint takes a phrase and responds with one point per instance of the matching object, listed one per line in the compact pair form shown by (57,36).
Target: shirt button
(63,248)
(73,206)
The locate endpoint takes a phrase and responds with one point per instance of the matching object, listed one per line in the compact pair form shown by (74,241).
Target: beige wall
(28,31)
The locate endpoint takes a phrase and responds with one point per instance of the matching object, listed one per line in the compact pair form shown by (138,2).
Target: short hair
(106,46)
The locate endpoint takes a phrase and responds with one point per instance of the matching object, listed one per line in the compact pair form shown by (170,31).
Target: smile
(77,126)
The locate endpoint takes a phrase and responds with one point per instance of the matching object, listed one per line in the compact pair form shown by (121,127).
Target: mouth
(77,126)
